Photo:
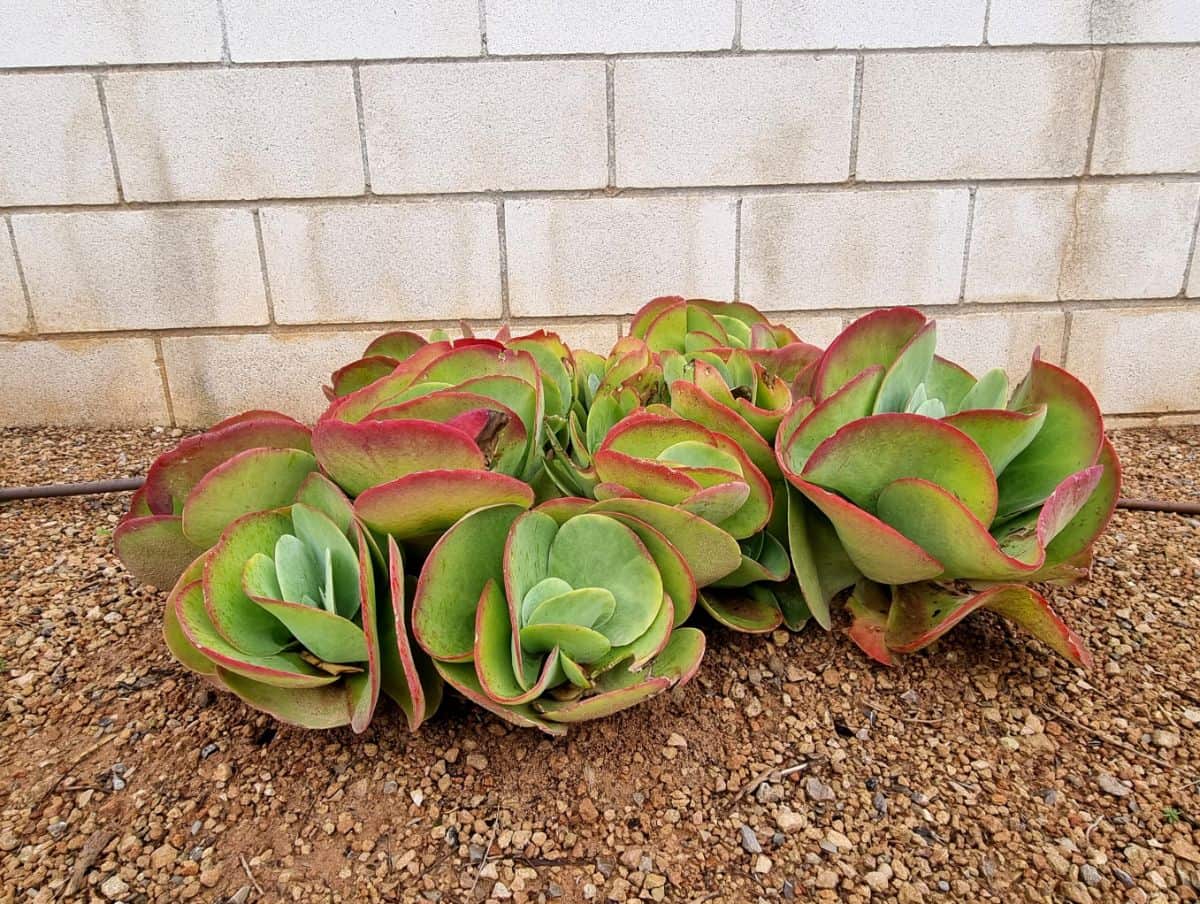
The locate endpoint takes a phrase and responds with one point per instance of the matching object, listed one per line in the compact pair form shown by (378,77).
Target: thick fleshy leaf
(865,456)
(751,610)
(432,501)
(868,607)
(370,453)
(791,603)
(452,580)
(592,550)
(908,371)
(177,641)
(850,403)
(949,382)
(461,676)
(325,541)
(1080,532)
(719,503)
(363,372)
(397,345)
(363,689)
(680,658)
(874,339)
(493,652)
(579,643)
(647,478)
(709,551)
(604,704)
(321,493)
(1069,441)
(405,674)
(821,563)
(587,606)
(876,549)
(237,618)
(991,391)
(770,563)
(309,707)
(174,473)
(1001,434)
(921,613)
(281,669)
(154,548)
(693,403)
(645,648)
(678,582)
(329,637)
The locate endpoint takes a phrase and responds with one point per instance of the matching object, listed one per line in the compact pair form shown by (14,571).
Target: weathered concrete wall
(208,205)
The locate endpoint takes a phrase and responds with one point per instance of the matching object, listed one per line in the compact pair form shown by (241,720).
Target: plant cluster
(535,526)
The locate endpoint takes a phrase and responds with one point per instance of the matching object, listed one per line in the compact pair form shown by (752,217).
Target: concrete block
(117,270)
(94,32)
(53,149)
(369,29)
(1136,360)
(448,127)
(1005,339)
(608,26)
(1089,22)
(845,249)
(974,115)
(81,382)
(13,316)
(612,255)
(823,24)
(212,377)
(815,329)
(236,133)
(377,262)
(1149,120)
(698,121)
(1116,240)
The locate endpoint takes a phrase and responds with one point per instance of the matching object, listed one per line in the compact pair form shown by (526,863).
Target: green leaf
(990,392)
(590,607)
(237,618)
(296,570)
(822,567)
(908,371)
(321,535)
(580,643)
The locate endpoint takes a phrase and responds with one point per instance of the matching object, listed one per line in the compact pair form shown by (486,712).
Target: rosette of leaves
(568,611)
(284,611)
(453,427)
(248,463)
(933,494)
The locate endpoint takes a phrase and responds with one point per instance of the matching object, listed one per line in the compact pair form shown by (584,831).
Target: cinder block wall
(208,204)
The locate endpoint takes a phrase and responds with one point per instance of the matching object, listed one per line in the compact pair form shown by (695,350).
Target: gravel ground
(983,770)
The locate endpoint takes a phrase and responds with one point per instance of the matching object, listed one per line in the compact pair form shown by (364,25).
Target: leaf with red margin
(750,610)
(873,339)
(461,676)
(565,507)
(363,691)
(184,651)
(405,673)
(397,345)
(494,647)
(369,453)
(311,707)
(866,455)
(280,669)
(868,607)
(709,551)
(937,522)
(1078,535)
(680,658)
(678,582)
(693,403)
(1001,434)
(879,551)
(357,374)
(921,613)
(174,473)
(822,566)
(949,382)
(256,480)
(1069,441)
(650,311)
(138,506)
(452,579)
(431,501)
(604,704)
(645,477)
(798,440)
(907,371)
(154,548)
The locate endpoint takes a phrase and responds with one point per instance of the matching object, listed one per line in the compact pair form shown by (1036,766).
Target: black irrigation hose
(125,484)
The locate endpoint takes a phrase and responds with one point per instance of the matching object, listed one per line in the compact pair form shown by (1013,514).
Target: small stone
(1191,715)
(114,888)
(1163,738)
(1123,877)
(554,890)
(911,697)
(750,841)
(345,822)
(676,740)
(943,886)
(57,828)
(163,856)
(877,880)
(879,802)
(208,750)
(588,811)
(827,878)
(8,841)
(1090,875)
(789,820)
(1076,893)
(222,773)
(789,890)
(500,891)
(1184,849)
(817,789)
(477,761)
(838,840)
(762,865)
(1109,785)
(390,787)
(210,877)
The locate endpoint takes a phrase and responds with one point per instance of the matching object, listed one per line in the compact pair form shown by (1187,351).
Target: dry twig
(895,715)
(1108,739)
(768,775)
(487,850)
(250,876)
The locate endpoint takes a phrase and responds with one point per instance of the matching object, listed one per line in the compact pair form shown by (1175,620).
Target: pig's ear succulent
(248,463)
(917,485)
(454,427)
(381,357)
(285,612)
(569,611)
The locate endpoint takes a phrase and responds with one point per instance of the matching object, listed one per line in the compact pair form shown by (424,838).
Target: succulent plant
(453,427)
(933,494)
(244,464)
(284,612)
(568,611)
